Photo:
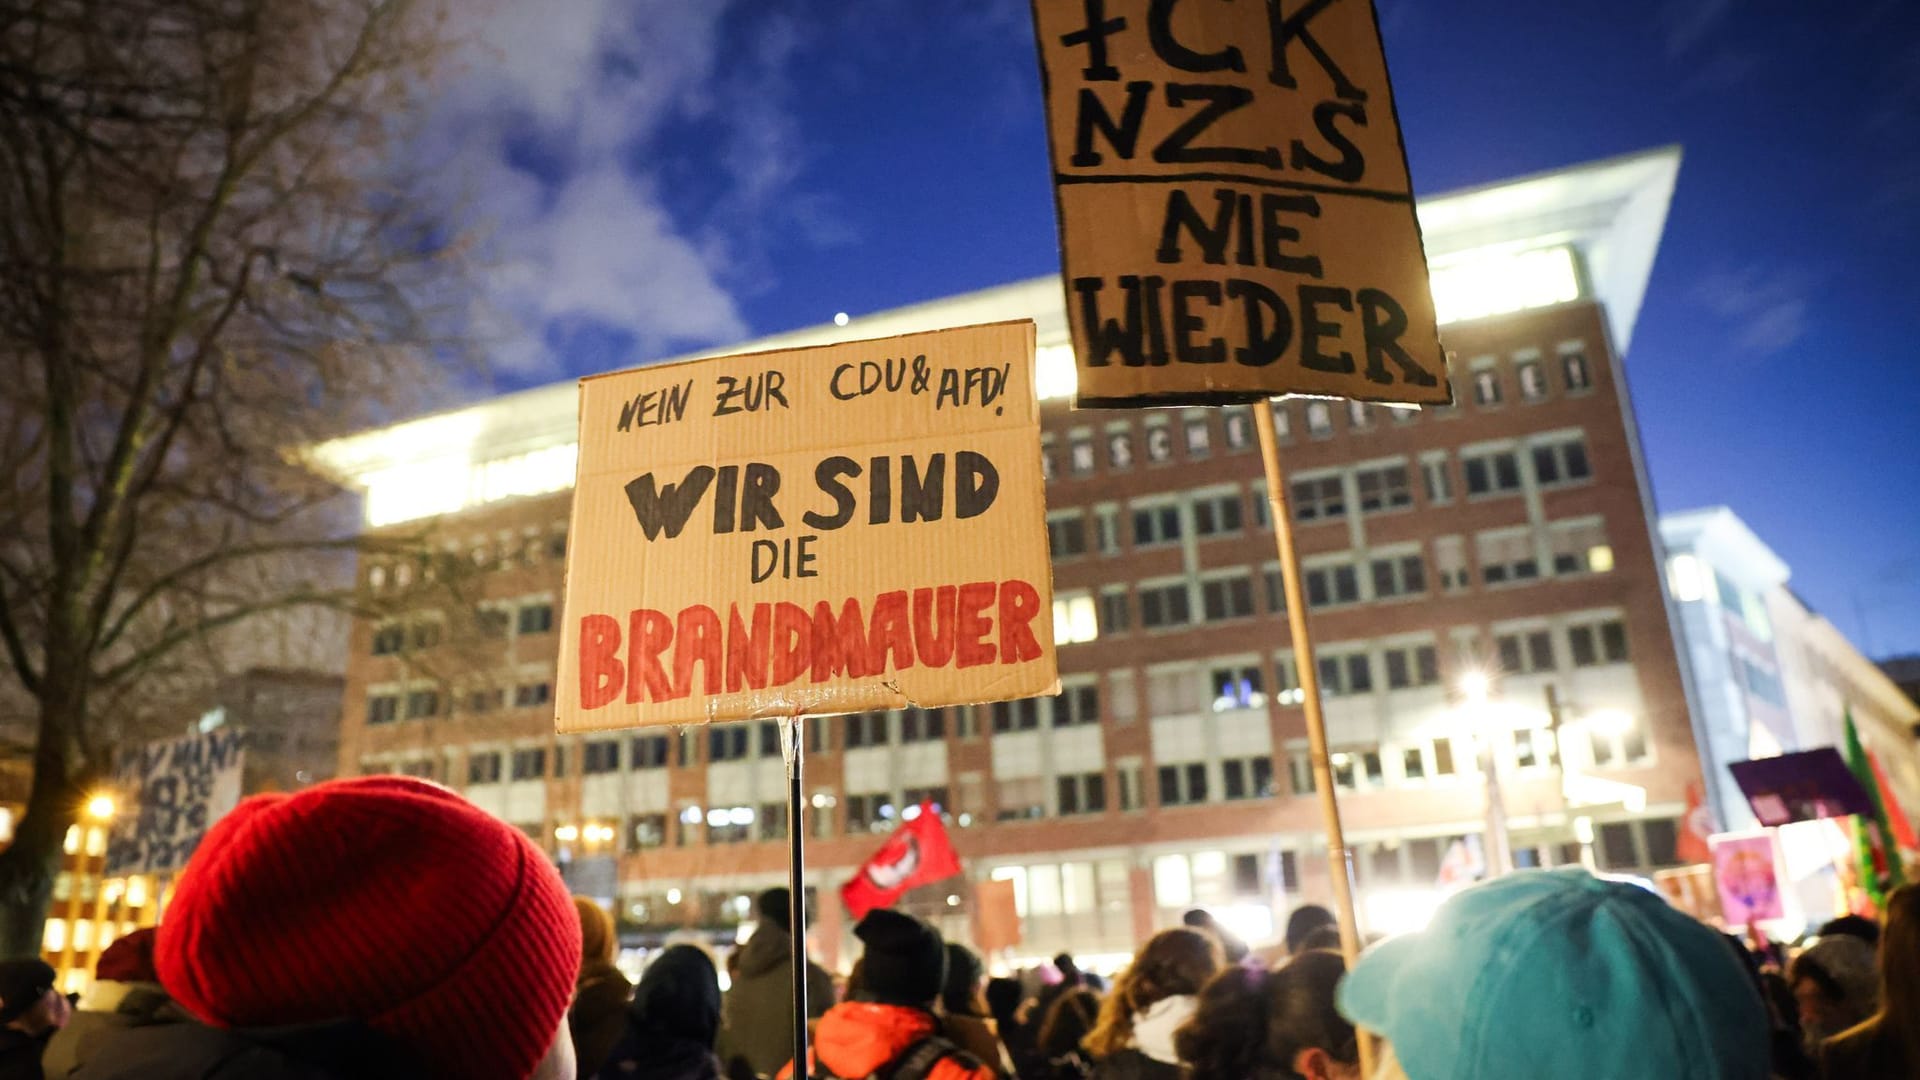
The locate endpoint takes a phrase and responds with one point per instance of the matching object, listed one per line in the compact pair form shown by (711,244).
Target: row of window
(506,551)
(1552,462)
(534,617)
(1119,448)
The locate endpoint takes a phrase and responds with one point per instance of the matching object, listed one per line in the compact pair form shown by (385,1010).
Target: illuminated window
(1075,619)
(1080,454)
(1580,547)
(1120,450)
(1282,420)
(1159,442)
(1359,416)
(1486,387)
(1239,686)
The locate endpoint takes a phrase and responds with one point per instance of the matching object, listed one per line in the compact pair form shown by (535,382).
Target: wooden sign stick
(793,744)
(1303,660)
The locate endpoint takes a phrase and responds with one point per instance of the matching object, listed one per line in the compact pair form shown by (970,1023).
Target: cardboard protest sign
(1235,212)
(812,531)
(170,792)
(1746,869)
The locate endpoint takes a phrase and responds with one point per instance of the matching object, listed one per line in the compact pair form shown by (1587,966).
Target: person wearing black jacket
(672,1022)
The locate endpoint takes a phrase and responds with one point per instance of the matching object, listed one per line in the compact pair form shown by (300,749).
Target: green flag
(1872,837)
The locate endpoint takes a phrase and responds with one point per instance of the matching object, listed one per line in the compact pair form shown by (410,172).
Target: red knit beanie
(128,959)
(384,899)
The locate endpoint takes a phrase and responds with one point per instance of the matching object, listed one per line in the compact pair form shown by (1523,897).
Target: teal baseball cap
(1559,974)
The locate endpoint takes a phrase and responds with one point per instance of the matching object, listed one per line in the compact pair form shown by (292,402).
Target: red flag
(1896,817)
(918,853)
(1695,828)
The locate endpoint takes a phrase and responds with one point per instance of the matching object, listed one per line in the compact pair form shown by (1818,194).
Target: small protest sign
(811,531)
(1235,211)
(170,792)
(1746,872)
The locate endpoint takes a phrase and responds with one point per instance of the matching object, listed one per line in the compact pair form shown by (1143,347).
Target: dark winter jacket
(1131,1064)
(670,1027)
(20,1054)
(343,1050)
(109,1007)
(756,1018)
(599,1014)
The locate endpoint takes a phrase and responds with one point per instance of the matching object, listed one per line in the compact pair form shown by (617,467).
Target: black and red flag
(918,853)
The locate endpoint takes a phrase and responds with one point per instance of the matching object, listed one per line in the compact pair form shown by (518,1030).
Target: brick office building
(1506,540)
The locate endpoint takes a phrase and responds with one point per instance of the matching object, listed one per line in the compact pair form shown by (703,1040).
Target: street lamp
(1474,687)
(100,807)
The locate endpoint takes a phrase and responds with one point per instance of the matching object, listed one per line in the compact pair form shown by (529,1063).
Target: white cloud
(548,138)
(1767,310)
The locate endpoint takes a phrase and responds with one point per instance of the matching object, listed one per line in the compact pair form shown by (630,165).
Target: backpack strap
(917,1062)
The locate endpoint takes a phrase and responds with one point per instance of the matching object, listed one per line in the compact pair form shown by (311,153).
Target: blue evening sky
(663,175)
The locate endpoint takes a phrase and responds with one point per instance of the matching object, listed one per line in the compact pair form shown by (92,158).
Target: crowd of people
(383,927)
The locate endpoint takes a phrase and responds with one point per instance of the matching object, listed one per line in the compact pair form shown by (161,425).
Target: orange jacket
(856,1038)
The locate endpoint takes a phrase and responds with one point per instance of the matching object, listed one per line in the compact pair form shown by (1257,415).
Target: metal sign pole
(1337,856)
(793,744)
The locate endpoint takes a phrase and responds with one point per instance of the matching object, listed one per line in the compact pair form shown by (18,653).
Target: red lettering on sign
(973,624)
(649,632)
(601,673)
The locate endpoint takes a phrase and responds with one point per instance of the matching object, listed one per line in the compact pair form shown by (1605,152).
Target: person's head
(678,997)
(129,958)
(1199,919)
(597,938)
(1304,921)
(775,908)
(1323,937)
(1173,963)
(1900,965)
(1003,999)
(1835,985)
(966,974)
(1558,973)
(28,1000)
(905,962)
(1068,1021)
(1069,971)
(1272,1025)
(1852,926)
(384,900)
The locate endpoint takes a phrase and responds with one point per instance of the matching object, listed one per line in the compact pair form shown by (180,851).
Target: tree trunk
(28,866)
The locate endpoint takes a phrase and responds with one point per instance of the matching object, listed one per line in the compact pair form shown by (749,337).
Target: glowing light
(1600,558)
(1474,686)
(840,319)
(1608,721)
(716,817)
(1583,829)
(910,813)
(100,807)
(566,834)
(1399,911)
(1054,375)
(953,901)
(1483,283)
(673,896)
(740,815)
(1686,578)
(690,816)
(449,482)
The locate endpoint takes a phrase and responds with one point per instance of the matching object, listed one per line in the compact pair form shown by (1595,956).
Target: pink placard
(1746,873)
